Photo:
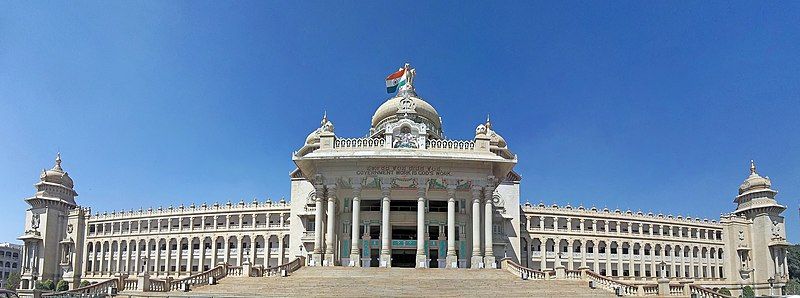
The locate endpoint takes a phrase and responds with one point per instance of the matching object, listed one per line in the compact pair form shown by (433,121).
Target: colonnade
(178,256)
(625,258)
(325,243)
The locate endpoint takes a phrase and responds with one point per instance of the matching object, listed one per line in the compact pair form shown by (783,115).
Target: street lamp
(663,268)
(771,282)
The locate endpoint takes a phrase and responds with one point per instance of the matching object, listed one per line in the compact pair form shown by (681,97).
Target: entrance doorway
(434,257)
(374,256)
(403,258)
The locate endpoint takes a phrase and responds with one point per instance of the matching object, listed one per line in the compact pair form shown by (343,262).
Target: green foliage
(13,281)
(84,283)
(62,285)
(46,285)
(793,287)
(793,256)
(724,291)
(747,292)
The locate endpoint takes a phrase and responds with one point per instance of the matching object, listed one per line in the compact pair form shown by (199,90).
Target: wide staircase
(362,282)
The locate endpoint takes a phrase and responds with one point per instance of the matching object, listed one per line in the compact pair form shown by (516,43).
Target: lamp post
(663,268)
(771,282)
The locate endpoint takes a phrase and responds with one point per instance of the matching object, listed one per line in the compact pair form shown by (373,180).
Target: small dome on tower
(754,181)
(57,175)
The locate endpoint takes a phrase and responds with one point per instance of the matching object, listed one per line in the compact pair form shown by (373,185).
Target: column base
(385,261)
(328,261)
(451,262)
(355,260)
(422,261)
(316,260)
(490,262)
(476,262)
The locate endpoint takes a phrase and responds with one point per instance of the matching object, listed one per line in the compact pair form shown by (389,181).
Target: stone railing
(610,284)
(234,271)
(648,290)
(467,145)
(158,285)
(676,290)
(95,290)
(573,274)
(201,278)
(704,293)
(290,267)
(359,143)
(130,284)
(522,272)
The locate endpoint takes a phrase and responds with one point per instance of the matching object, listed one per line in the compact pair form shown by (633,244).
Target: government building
(406,196)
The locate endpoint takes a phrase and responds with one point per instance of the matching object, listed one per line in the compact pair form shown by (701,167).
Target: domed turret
(754,182)
(57,175)
(54,185)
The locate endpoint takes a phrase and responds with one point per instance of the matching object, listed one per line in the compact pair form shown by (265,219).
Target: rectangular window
(370,205)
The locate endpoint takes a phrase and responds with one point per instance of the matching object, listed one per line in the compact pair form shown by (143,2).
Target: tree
(793,287)
(84,283)
(62,285)
(747,292)
(793,256)
(13,281)
(724,291)
(45,285)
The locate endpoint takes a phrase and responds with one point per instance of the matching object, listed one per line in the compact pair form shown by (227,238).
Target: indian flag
(395,80)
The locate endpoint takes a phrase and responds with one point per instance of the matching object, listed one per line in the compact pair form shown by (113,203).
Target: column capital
(386,189)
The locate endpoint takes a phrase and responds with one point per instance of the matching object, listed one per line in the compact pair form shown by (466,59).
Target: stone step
(401,282)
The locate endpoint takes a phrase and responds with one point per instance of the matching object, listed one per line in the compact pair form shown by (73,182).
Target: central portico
(405,196)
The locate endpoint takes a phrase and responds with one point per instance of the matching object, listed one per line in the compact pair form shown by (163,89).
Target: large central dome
(388,111)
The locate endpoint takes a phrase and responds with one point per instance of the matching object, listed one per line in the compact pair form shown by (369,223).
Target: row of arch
(183,255)
(621,258)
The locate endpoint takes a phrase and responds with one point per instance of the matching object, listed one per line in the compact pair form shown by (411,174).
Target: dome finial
(488,122)
(752,167)
(324,118)
(58,162)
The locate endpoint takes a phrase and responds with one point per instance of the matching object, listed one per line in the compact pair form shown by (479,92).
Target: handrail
(201,278)
(523,272)
(610,284)
(98,288)
(290,267)
(704,292)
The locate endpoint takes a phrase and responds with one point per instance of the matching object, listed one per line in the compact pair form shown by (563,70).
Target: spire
(324,118)
(752,167)
(57,167)
(488,122)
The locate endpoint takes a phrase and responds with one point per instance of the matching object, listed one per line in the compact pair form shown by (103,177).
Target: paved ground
(392,282)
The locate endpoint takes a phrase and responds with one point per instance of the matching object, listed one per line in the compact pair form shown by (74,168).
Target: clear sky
(647,105)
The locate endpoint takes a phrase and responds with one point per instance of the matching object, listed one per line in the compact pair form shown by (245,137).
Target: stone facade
(405,196)
(9,261)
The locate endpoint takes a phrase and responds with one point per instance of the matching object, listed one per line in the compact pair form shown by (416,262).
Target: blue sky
(653,106)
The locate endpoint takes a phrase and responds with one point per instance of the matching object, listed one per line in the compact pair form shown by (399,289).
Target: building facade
(405,196)
(9,261)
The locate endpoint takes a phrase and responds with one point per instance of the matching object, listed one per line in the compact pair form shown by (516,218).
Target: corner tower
(51,229)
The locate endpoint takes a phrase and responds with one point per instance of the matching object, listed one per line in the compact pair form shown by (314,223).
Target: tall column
(583,252)
(541,225)
(213,252)
(316,256)
(330,236)
(477,257)
(452,258)
(169,256)
(386,249)
(489,259)
(355,255)
(201,266)
(240,251)
(191,256)
(157,258)
(282,250)
(422,256)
